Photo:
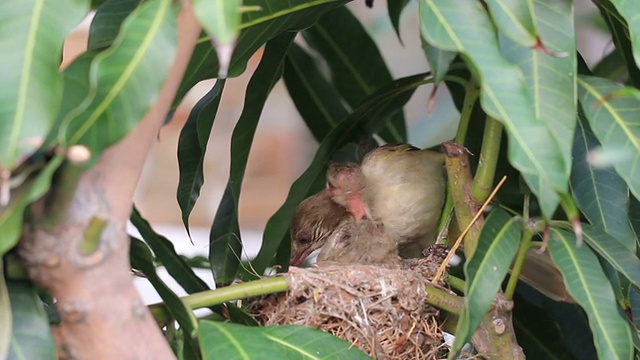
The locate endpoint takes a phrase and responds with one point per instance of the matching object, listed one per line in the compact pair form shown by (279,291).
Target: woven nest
(382,311)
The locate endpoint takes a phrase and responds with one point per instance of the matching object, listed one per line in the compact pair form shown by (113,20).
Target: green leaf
(105,25)
(587,283)
(232,341)
(225,243)
(395,7)
(373,111)
(552,78)
(614,122)
(439,60)
(498,243)
(5,314)
(601,194)
(142,259)
(514,19)
(629,11)
(165,252)
(317,101)
(192,146)
(135,67)
(620,36)
(357,67)
(258,27)
(221,20)
(614,252)
(31,338)
(32,33)
(32,189)
(465,27)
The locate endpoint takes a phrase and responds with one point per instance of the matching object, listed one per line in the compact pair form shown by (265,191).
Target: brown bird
(405,191)
(345,184)
(314,220)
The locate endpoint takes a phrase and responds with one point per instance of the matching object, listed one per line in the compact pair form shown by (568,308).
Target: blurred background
(283,146)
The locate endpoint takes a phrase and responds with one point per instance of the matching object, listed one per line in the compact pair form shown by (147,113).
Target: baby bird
(405,191)
(314,220)
(360,242)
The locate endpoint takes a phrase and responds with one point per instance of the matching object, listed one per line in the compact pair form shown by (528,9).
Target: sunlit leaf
(629,11)
(135,67)
(221,20)
(587,283)
(32,33)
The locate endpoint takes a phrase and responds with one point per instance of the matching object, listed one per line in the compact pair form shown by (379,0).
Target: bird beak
(299,256)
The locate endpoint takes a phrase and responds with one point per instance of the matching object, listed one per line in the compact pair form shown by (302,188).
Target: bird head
(313,221)
(345,183)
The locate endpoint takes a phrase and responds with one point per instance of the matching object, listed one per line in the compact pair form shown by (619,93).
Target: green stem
(218,296)
(456,283)
(525,245)
(472,92)
(444,300)
(483,181)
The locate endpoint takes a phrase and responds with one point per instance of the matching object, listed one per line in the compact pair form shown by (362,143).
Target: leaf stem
(483,180)
(472,92)
(525,245)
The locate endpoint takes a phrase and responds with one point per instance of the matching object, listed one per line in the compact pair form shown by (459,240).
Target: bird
(345,184)
(359,242)
(405,191)
(314,220)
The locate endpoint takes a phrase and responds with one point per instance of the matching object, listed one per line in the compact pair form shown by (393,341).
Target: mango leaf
(135,67)
(394,8)
(192,145)
(532,148)
(258,27)
(357,67)
(221,20)
(498,243)
(552,78)
(236,342)
(165,252)
(601,194)
(225,243)
(11,216)
(629,11)
(614,123)
(515,19)
(32,34)
(5,313)
(614,252)
(319,103)
(621,38)
(105,25)
(31,338)
(587,283)
(376,108)
(142,260)
(439,60)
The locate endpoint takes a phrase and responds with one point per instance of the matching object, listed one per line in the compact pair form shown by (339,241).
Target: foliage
(572,151)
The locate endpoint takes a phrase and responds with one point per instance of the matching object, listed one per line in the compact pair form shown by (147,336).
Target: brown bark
(102,315)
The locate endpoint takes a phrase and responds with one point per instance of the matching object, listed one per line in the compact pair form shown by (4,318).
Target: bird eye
(304,240)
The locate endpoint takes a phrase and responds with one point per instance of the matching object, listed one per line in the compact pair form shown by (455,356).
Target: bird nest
(382,311)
